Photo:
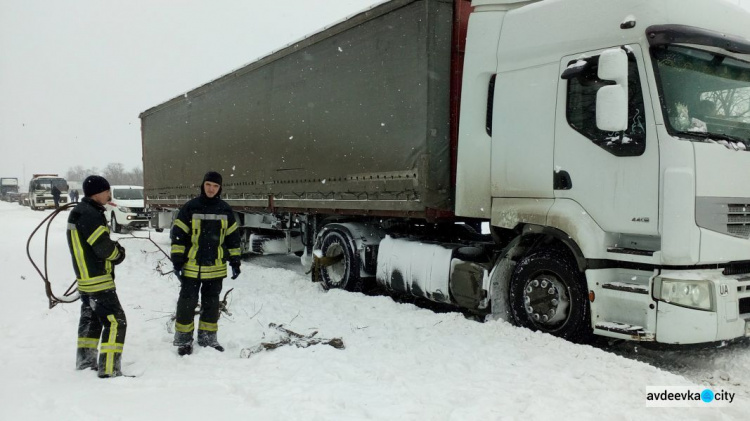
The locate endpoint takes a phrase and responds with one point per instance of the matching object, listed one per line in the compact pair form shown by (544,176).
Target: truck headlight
(125,209)
(686,293)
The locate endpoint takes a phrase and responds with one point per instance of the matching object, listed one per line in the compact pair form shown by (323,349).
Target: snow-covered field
(401,362)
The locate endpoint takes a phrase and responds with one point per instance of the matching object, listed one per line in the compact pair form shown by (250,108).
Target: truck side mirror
(612,100)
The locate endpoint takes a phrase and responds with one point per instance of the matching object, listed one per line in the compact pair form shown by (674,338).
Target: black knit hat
(213,177)
(94,184)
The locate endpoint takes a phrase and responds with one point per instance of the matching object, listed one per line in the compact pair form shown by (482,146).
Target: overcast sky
(75,74)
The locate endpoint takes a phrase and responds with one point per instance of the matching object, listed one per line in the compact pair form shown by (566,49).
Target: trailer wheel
(344,273)
(548,294)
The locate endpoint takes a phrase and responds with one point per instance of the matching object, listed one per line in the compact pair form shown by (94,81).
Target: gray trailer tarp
(355,117)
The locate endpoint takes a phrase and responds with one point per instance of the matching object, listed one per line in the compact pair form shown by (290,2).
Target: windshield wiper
(717,136)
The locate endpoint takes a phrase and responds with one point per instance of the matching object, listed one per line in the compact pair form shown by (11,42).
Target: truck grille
(737,268)
(738,219)
(743,293)
(744,305)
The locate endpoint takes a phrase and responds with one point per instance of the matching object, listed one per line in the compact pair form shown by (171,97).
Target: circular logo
(707,395)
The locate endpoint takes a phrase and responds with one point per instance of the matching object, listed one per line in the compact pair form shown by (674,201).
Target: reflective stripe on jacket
(204,237)
(91,249)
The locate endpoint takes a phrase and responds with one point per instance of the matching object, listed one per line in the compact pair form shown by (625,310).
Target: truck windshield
(705,94)
(128,194)
(47,183)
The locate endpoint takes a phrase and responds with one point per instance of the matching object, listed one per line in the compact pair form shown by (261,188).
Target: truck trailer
(603,142)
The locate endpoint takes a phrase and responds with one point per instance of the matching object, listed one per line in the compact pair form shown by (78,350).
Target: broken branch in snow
(223,306)
(319,263)
(291,338)
(256,313)
(294,317)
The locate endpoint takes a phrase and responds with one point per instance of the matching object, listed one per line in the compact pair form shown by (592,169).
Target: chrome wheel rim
(547,301)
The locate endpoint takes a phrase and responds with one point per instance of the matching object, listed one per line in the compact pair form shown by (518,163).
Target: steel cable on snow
(133,236)
(53,299)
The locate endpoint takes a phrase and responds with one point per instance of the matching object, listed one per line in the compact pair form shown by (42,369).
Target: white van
(126,208)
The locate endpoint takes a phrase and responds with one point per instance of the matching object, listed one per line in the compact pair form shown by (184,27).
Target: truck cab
(621,142)
(8,188)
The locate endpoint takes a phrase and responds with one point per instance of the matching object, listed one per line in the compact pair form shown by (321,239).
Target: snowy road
(400,361)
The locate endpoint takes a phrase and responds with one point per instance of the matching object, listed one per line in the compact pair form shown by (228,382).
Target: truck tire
(343,274)
(548,294)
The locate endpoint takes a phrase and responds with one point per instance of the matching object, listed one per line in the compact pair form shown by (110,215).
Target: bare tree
(136,176)
(77,173)
(731,102)
(114,172)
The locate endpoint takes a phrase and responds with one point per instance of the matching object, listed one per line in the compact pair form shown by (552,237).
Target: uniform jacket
(93,252)
(205,237)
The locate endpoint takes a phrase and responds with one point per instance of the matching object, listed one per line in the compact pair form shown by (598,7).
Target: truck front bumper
(727,319)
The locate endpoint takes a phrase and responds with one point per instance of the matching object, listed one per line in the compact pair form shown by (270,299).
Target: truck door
(614,176)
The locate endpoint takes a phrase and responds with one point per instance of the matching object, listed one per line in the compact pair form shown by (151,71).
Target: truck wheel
(548,294)
(115,227)
(343,274)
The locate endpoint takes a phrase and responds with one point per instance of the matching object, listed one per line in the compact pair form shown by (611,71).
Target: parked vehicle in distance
(40,191)
(23,199)
(126,208)
(8,186)
(11,196)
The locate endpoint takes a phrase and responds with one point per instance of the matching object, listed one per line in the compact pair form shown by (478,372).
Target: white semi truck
(604,143)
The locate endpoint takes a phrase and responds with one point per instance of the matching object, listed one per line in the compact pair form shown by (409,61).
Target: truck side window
(581,110)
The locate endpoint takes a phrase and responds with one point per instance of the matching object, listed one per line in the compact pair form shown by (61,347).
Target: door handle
(561,180)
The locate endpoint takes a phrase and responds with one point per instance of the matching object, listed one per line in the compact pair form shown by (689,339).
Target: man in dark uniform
(94,256)
(56,196)
(204,237)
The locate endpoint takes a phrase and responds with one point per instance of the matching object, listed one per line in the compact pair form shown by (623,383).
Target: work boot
(86,358)
(184,343)
(206,338)
(184,350)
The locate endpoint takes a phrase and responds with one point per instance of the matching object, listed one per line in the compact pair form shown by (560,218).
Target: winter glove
(178,265)
(235,269)
(121,256)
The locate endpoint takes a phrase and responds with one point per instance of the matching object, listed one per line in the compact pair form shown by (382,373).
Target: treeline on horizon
(114,172)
